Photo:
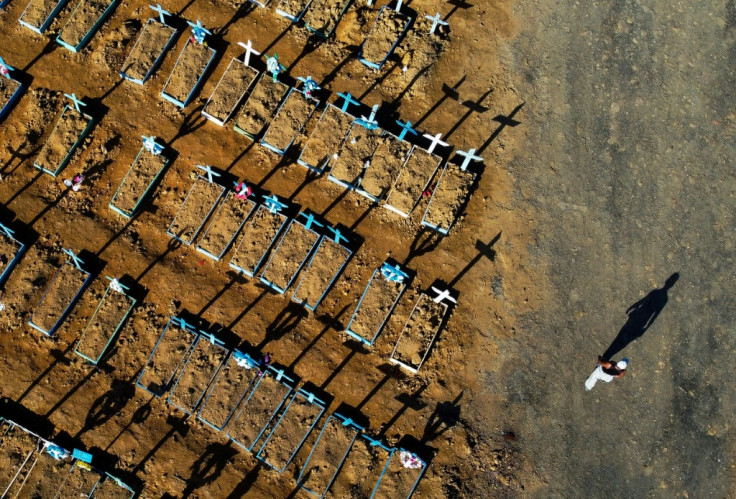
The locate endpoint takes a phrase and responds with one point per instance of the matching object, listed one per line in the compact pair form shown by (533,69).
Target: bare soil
(261,105)
(79,483)
(356,150)
(59,296)
(383,34)
(38,11)
(360,472)
(46,477)
(113,309)
(398,480)
(324,15)
(232,384)
(292,429)
(385,166)
(328,454)
(196,376)
(259,234)
(449,196)
(149,46)
(323,269)
(192,63)
(293,249)
(377,303)
(167,356)
(83,19)
(289,121)
(326,137)
(419,332)
(225,224)
(196,208)
(231,89)
(7,88)
(139,178)
(15,447)
(293,7)
(63,138)
(8,249)
(257,411)
(108,489)
(413,179)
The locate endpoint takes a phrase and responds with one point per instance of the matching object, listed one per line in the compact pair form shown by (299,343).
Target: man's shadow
(642,315)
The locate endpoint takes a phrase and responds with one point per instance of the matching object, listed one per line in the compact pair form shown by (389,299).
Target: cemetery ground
(606,135)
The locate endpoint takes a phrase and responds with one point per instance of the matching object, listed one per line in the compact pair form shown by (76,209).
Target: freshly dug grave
(44,480)
(8,249)
(385,166)
(398,481)
(83,19)
(376,305)
(230,90)
(258,410)
(325,14)
(149,46)
(7,88)
(165,360)
(414,177)
(294,8)
(360,472)
(383,35)
(79,483)
(356,151)
(293,249)
(263,102)
(196,208)
(15,447)
(327,262)
(192,62)
(448,197)
(290,120)
(232,384)
(258,236)
(194,379)
(327,454)
(329,132)
(38,11)
(419,331)
(63,139)
(59,295)
(142,174)
(111,490)
(225,224)
(292,429)
(111,311)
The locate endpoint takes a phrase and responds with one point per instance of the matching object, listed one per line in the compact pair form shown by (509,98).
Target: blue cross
(161,12)
(151,145)
(469,156)
(210,173)
(199,31)
(211,338)
(393,272)
(310,220)
(273,204)
(75,259)
(347,100)
(77,102)
(182,323)
(406,127)
(337,235)
(309,85)
(7,231)
(274,67)
(5,68)
(347,422)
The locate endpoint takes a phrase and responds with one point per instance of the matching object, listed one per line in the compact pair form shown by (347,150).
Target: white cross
(116,286)
(435,139)
(469,156)
(77,261)
(210,173)
(77,102)
(370,123)
(398,5)
(161,12)
(442,295)
(248,51)
(435,21)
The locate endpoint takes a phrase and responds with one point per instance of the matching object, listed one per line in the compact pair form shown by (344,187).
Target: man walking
(606,371)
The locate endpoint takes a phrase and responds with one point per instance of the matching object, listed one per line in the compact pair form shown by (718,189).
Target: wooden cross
(161,12)
(211,338)
(273,204)
(436,20)
(199,31)
(393,272)
(76,102)
(442,295)
(337,235)
(469,156)
(406,127)
(182,323)
(248,51)
(435,139)
(75,259)
(347,100)
(310,220)
(210,174)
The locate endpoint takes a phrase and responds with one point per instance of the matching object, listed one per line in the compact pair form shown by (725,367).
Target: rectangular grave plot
(413,179)
(10,252)
(383,37)
(384,168)
(232,384)
(196,209)
(374,308)
(448,198)
(324,268)
(398,482)
(112,488)
(292,428)
(259,235)
(260,106)
(293,10)
(79,482)
(10,91)
(172,348)
(229,91)
(86,17)
(198,372)
(68,133)
(289,256)
(17,451)
(362,469)
(419,333)
(59,298)
(263,403)
(142,175)
(324,16)
(39,14)
(45,477)
(327,455)
(225,225)
(188,72)
(148,51)
(288,122)
(107,320)
(325,139)
(355,151)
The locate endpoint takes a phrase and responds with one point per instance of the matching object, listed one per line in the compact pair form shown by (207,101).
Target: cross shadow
(118,233)
(22,189)
(234,277)
(285,321)
(445,416)
(139,417)
(409,401)
(334,203)
(92,371)
(192,122)
(473,107)
(457,4)
(172,245)
(264,52)
(425,241)
(330,77)
(178,425)
(484,250)
(289,158)
(242,12)
(330,323)
(246,483)
(248,309)
(239,157)
(209,466)
(504,121)
(406,89)
(642,315)
(17,154)
(313,42)
(308,179)
(59,357)
(107,405)
(447,93)
(378,81)
(389,371)
(355,348)
(47,49)
(362,217)
(49,206)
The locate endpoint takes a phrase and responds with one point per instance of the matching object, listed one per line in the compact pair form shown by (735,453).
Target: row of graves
(31,466)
